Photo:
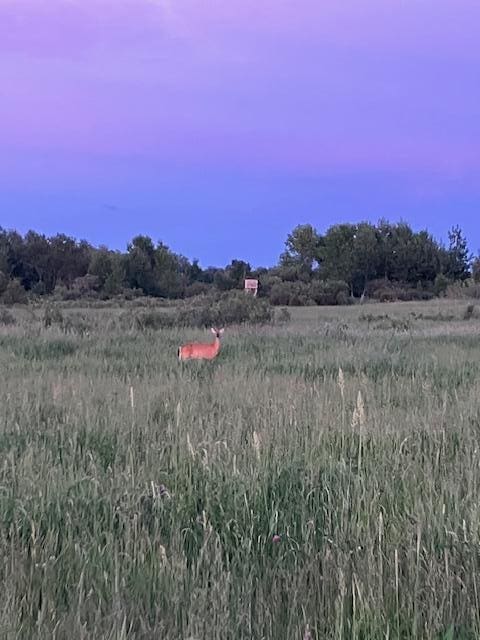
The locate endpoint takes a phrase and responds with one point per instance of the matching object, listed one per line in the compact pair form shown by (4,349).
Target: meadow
(319,480)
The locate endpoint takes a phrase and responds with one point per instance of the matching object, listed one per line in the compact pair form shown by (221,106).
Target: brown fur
(201,350)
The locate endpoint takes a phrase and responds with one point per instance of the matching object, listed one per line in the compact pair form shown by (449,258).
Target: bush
(197,289)
(266,283)
(62,293)
(132,293)
(385,294)
(86,285)
(293,294)
(469,312)
(6,318)
(300,294)
(39,289)
(440,285)
(384,290)
(330,292)
(52,315)
(3,283)
(76,323)
(235,307)
(472,291)
(283,315)
(205,311)
(153,320)
(476,270)
(14,293)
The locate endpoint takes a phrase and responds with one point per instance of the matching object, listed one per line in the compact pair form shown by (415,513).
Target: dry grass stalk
(256,445)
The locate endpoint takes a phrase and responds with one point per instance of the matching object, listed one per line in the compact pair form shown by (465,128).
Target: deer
(201,350)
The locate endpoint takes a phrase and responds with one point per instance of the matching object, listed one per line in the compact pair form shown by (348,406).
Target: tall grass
(320,479)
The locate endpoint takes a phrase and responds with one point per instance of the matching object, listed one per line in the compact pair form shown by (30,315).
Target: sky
(217,126)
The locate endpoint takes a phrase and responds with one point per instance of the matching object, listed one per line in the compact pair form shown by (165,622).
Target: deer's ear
(213,331)
(221,331)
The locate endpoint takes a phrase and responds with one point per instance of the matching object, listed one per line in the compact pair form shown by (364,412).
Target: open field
(352,434)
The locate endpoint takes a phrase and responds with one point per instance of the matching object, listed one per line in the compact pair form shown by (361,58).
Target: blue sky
(217,127)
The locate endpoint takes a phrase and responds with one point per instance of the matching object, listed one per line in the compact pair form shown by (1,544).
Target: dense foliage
(383,261)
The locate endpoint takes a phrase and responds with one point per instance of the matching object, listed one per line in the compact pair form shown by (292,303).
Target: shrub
(205,311)
(330,292)
(146,320)
(52,315)
(86,285)
(153,320)
(197,289)
(384,290)
(294,294)
(14,293)
(38,289)
(283,315)
(300,294)
(6,318)
(469,312)
(280,293)
(76,323)
(385,294)
(83,287)
(235,307)
(476,270)
(440,285)
(408,294)
(132,294)
(3,283)
(62,293)
(473,291)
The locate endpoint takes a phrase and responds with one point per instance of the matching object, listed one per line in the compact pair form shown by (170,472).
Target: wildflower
(276,539)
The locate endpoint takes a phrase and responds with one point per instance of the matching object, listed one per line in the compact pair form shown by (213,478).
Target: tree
(38,264)
(101,265)
(11,254)
(170,272)
(140,263)
(408,257)
(208,275)
(237,271)
(338,253)
(4,253)
(367,257)
(223,281)
(70,260)
(194,272)
(116,280)
(14,293)
(3,282)
(476,270)
(302,248)
(458,257)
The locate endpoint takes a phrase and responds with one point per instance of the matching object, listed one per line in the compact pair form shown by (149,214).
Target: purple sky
(218,125)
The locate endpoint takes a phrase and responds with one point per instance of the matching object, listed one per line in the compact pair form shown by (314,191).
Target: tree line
(384,261)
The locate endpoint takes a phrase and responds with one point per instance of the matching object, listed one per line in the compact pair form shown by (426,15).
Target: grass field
(320,479)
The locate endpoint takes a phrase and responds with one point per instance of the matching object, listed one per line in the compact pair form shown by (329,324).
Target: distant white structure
(251,286)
